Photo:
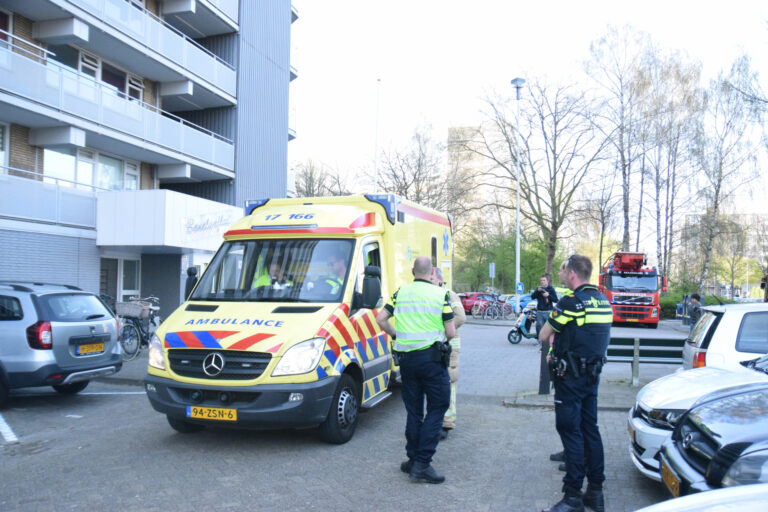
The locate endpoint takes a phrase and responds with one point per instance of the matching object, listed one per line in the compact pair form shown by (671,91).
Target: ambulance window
(434,251)
(371,256)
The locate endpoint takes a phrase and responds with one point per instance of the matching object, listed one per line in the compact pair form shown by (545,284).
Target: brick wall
(50,258)
(20,154)
(22,28)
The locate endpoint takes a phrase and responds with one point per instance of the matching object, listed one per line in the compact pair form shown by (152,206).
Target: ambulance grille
(238,365)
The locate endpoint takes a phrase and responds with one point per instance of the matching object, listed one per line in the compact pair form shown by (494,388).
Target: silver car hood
(681,389)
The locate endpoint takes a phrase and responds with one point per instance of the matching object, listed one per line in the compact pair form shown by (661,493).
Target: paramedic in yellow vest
(424,324)
(339,267)
(274,277)
(459,317)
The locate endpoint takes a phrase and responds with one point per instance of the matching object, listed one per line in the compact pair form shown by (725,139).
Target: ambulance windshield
(277,271)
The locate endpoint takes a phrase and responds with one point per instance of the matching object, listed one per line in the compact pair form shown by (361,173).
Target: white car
(661,403)
(726,335)
(742,498)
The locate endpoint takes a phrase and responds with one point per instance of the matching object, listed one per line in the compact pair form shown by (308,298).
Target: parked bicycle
(492,310)
(138,320)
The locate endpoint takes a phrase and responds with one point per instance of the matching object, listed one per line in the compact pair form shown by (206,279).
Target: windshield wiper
(91,317)
(276,299)
(618,289)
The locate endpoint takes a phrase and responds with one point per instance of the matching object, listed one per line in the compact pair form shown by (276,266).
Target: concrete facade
(105,97)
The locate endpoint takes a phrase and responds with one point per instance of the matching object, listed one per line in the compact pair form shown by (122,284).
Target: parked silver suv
(54,335)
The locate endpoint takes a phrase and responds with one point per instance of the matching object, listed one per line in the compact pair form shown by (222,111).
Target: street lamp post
(517,83)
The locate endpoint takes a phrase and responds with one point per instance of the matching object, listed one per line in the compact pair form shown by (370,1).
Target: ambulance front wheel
(514,336)
(340,424)
(183,426)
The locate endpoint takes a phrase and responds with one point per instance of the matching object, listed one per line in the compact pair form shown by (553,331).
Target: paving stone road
(111,451)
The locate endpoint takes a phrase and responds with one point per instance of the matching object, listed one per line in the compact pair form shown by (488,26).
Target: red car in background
(469,299)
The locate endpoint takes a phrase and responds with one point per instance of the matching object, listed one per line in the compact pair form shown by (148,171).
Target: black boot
(558,457)
(424,472)
(594,498)
(561,466)
(406,466)
(571,502)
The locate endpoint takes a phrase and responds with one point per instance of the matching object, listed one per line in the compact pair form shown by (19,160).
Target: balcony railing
(28,195)
(155,35)
(25,74)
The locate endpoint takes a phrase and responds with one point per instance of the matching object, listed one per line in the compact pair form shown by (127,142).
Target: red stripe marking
(364,221)
(248,342)
(344,308)
(222,334)
(190,340)
(360,334)
(337,322)
(421,214)
(371,329)
(235,232)
(334,346)
(275,348)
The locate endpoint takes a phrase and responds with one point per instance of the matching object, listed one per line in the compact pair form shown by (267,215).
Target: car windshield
(760,364)
(699,332)
(72,307)
(306,270)
(624,283)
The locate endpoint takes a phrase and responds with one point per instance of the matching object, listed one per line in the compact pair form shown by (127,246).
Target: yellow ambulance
(280,330)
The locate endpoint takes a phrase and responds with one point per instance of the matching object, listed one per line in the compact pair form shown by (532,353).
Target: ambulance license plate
(211,413)
(631,432)
(632,320)
(91,348)
(670,480)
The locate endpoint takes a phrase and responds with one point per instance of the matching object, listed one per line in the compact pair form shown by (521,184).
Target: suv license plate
(670,480)
(90,349)
(211,413)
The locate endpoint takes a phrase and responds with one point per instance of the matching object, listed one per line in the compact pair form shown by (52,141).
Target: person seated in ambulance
(339,267)
(275,278)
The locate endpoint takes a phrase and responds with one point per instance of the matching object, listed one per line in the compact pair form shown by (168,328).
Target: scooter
(522,327)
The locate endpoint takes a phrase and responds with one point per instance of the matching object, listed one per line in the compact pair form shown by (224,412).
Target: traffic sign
(492,270)
(519,287)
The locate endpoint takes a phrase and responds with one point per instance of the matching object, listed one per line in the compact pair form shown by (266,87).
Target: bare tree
(732,244)
(311,180)
(551,147)
(725,150)
(598,208)
(616,58)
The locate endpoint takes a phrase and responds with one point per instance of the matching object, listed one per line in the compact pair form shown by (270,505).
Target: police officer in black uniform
(581,327)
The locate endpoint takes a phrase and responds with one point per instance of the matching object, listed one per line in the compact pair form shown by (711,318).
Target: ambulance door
(377,360)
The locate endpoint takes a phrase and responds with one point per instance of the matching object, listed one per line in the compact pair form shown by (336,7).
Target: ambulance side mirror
(369,299)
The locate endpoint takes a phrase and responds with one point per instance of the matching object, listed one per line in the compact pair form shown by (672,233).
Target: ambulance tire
(340,424)
(184,427)
(3,391)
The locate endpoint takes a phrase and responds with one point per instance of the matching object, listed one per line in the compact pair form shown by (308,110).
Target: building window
(89,65)
(3,147)
(85,168)
(135,87)
(129,285)
(125,84)
(5,26)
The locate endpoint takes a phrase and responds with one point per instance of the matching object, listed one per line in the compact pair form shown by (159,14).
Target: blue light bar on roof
(388,201)
(252,204)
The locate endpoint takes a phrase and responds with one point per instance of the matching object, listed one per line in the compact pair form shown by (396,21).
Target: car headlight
(749,469)
(156,359)
(300,358)
(665,418)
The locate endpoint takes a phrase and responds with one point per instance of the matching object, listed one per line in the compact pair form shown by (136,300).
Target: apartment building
(132,132)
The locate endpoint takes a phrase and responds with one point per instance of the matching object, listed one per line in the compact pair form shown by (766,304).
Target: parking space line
(116,393)
(6,431)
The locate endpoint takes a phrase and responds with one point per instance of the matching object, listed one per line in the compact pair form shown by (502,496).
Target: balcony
(29,196)
(201,18)
(37,94)
(137,40)
(155,219)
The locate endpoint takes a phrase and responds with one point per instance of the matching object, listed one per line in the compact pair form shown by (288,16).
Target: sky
(370,72)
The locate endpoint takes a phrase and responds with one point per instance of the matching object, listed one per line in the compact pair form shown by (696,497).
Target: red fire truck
(632,288)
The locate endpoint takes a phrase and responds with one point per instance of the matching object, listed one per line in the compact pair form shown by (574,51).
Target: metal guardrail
(645,350)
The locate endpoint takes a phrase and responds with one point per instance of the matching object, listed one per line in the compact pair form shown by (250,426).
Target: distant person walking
(546,297)
(695,309)
(424,321)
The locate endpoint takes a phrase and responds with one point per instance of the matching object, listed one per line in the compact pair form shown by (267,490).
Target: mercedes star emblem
(213,364)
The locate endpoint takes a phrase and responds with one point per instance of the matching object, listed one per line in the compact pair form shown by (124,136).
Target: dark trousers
(423,376)
(576,421)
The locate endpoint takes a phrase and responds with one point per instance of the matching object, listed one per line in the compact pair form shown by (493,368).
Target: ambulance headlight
(156,353)
(301,358)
